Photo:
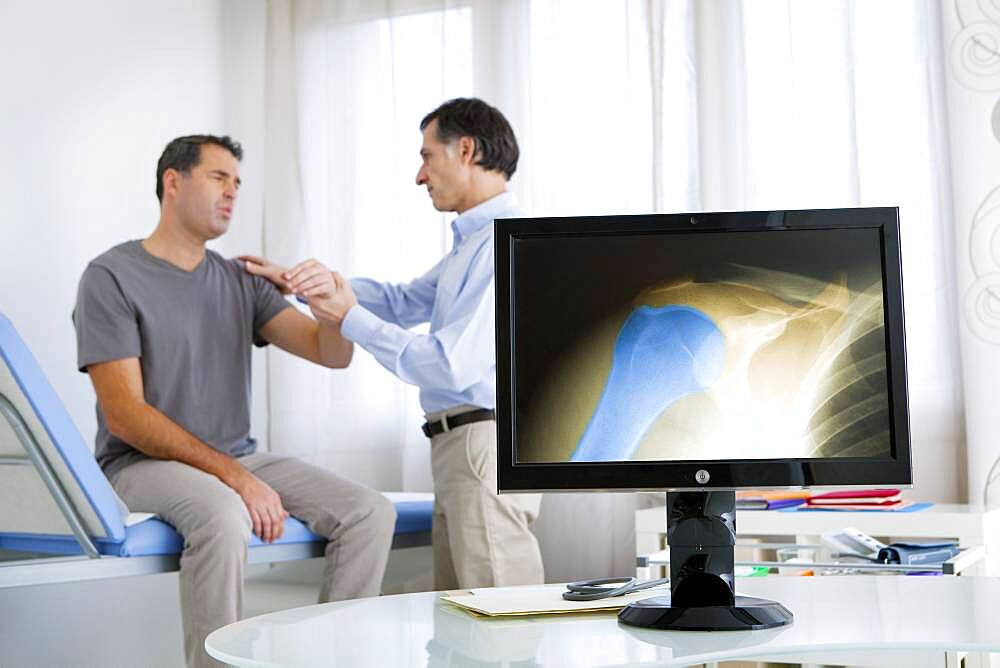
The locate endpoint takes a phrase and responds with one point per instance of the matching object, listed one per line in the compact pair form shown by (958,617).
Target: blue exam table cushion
(156,537)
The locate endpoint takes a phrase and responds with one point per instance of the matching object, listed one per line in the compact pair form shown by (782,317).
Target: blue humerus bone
(661,354)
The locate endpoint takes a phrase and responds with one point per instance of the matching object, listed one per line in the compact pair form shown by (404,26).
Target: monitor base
(748,614)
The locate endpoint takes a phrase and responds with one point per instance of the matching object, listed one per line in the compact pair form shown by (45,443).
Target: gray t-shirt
(192,332)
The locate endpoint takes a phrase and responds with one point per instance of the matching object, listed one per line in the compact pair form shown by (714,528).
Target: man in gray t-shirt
(191,332)
(164,329)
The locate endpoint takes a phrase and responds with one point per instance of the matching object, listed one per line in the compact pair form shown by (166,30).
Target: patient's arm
(319,342)
(292,331)
(119,389)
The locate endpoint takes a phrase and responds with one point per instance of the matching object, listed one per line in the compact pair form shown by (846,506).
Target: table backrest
(32,417)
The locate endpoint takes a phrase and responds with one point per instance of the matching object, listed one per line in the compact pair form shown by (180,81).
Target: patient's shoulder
(237,268)
(233,268)
(109,268)
(115,258)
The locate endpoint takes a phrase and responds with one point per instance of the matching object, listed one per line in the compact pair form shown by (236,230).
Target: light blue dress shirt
(455,363)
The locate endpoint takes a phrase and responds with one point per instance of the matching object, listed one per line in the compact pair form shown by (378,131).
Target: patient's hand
(259,266)
(264,505)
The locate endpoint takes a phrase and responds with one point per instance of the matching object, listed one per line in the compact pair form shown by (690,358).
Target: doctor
(468,154)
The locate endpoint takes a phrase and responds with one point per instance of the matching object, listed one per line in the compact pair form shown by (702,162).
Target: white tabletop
(832,615)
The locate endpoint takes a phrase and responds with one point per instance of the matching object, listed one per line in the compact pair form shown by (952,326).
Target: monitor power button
(701,476)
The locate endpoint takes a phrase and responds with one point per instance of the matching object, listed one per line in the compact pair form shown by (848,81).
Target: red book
(855,502)
(857,494)
(896,505)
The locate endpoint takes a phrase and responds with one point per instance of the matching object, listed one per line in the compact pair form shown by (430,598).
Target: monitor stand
(701,533)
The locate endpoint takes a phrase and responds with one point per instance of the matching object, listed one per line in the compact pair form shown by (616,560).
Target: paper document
(136,518)
(397,497)
(539,600)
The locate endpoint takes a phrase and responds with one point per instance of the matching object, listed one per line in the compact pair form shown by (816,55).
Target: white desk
(867,620)
(969,525)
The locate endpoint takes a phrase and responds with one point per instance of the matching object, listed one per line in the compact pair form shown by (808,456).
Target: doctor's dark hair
(496,145)
(184,154)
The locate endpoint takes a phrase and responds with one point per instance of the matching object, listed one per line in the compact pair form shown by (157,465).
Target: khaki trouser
(480,538)
(215,524)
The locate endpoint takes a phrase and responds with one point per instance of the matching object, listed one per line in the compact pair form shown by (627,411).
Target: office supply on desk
(771,495)
(905,507)
(770,500)
(764,504)
(858,499)
(536,600)
(911,554)
(850,541)
(602,588)
(854,496)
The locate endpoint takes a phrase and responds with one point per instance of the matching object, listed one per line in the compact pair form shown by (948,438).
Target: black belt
(448,423)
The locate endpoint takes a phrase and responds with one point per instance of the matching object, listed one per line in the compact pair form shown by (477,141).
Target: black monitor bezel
(723,474)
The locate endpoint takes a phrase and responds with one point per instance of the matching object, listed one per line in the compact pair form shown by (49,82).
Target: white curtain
(620,106)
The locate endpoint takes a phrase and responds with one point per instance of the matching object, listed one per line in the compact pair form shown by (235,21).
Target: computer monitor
(701,353)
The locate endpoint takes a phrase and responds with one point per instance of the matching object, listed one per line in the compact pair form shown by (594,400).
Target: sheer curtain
(620,106)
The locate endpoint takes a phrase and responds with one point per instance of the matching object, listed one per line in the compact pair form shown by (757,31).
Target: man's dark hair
(184,154)
(496,145)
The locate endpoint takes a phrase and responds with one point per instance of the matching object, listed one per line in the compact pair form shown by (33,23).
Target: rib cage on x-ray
(852,417)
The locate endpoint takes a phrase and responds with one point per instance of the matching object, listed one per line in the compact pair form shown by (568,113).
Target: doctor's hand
(328,294)
(259,266)
(264,505)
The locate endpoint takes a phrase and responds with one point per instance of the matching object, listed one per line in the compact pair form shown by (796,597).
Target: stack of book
(858,499)
(754,500)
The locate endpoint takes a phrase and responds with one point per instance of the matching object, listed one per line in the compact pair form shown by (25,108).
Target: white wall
(973,85)
(92,92)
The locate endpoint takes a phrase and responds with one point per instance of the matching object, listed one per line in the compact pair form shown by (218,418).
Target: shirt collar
(482,214)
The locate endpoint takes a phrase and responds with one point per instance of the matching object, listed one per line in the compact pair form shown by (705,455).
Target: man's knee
(225,525)
(382,516)
(384,513)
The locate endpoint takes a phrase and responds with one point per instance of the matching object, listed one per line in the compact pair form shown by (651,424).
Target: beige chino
(480,538)
(357,521)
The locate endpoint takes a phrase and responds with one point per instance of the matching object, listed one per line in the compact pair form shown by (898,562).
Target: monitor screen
(761,348)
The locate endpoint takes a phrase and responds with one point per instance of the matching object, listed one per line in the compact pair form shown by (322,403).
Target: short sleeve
(106,324)
(268,302)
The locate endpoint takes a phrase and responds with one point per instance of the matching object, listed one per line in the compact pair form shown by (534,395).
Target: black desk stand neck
(701,533)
